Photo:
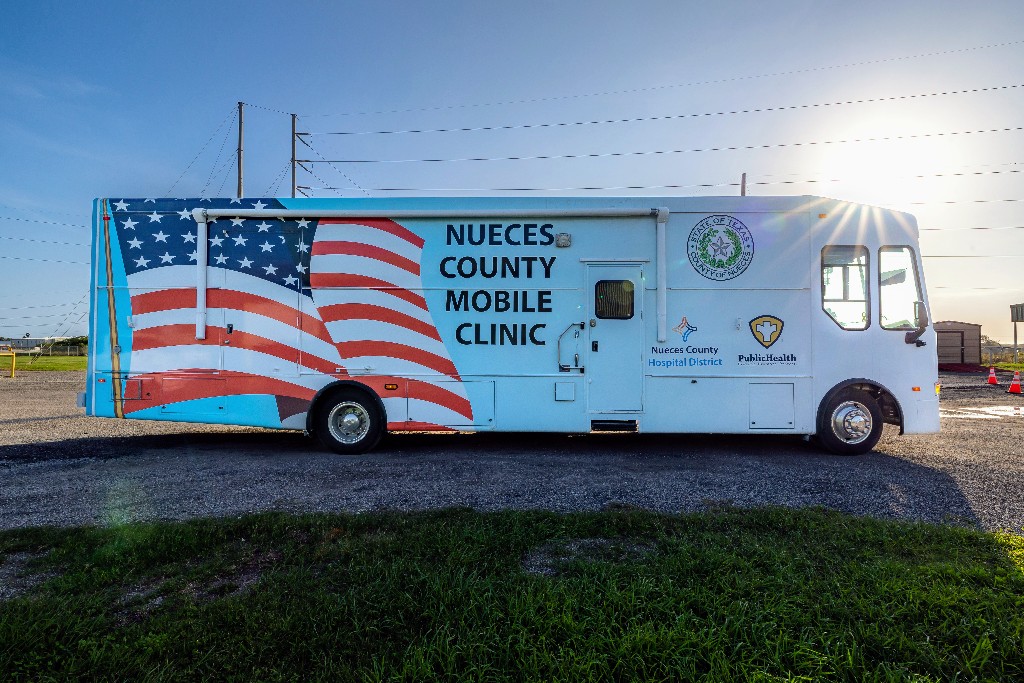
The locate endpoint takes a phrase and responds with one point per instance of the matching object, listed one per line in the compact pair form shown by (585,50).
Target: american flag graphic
(293,305)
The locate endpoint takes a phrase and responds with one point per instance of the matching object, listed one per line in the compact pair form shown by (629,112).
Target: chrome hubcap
(349,422)
(851,422)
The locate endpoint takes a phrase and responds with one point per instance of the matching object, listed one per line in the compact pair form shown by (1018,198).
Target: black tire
(349,422)
(851,423)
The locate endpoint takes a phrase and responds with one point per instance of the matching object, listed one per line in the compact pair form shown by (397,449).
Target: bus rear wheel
(851,423)
(349,422)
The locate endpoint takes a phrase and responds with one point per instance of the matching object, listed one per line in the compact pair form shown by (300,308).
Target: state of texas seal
(720,247)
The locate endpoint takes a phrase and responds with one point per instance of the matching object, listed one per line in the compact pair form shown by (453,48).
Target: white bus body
(351,317)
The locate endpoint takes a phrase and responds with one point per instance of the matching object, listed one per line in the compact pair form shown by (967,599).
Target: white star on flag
(259,206)
(121,205)
(215,241)
(189,237)
(264,226)
(160,236)
(220,259)
(135,242)
(237,221)
(185,214)
(303,223)
(271,270)
(130,224)
(154,217)
(267,246)
(245,262)
(240,241)
(194,256)
(291,280)
(301,247)
(166,258)
(142,261)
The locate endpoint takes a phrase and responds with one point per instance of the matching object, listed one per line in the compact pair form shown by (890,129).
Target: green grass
(727,595)
(28,363)
(1010,366)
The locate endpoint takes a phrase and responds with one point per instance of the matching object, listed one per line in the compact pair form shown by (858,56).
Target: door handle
(593,346)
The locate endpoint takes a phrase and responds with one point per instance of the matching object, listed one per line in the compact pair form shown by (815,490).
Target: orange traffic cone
(1015,384)
(992,376)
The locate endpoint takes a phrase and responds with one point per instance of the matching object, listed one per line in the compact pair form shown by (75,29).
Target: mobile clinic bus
(348,318)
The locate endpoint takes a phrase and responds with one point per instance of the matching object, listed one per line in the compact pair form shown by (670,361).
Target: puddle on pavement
(989,413)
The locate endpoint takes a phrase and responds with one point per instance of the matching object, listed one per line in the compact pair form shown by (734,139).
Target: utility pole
(241,134)
(294,116)
(743,185)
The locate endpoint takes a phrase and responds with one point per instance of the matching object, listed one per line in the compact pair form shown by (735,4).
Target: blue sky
(116,99)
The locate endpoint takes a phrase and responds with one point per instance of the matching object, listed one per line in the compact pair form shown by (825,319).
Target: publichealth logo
(766,329)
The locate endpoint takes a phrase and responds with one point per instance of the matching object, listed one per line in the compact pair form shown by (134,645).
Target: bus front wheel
(851,423)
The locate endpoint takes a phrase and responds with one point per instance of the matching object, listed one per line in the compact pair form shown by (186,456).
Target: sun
(889,160)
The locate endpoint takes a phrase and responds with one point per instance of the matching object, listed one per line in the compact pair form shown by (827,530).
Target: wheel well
(332,390)
(892,413)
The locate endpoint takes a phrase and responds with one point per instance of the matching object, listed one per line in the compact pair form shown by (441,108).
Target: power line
(36,220)
(39,241)
(339,171)
(227,173)
(966,201)
(278,180)
(260,106)
(22,308)
(647,187)
(667,87)
(594,155)
(664,118)
(1008,227)
(201,150)
(31,317)
(45,260)
(48,210)
(216,161)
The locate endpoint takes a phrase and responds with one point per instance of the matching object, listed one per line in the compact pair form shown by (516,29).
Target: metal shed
(958,342)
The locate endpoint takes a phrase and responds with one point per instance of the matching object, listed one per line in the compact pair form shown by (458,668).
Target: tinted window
(613,299)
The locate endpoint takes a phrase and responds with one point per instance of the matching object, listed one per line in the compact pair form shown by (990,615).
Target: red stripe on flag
(349,281)
(211,385)
(357,349)
(327,248)
(442,397)
(386,225)
(336,312)
(411,426)
(185,335)
(163,300)
(173,299)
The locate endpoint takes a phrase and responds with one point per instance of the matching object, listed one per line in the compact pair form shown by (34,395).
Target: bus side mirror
(921,313)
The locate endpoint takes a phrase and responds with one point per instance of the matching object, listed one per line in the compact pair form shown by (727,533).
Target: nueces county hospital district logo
(720,247)
(766,329)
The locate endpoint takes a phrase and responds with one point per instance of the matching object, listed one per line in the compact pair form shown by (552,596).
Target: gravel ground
(58,467)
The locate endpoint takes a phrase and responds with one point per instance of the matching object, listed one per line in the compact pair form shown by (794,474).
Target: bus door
(614,367)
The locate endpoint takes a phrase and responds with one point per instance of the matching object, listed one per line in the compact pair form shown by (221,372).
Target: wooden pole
(241,137)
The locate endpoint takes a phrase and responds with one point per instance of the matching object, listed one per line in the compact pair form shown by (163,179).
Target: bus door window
(844,290)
